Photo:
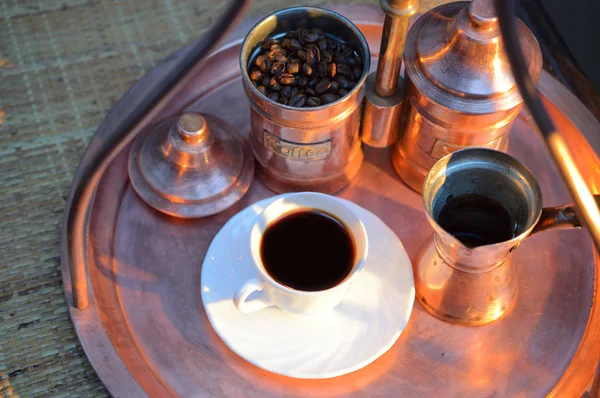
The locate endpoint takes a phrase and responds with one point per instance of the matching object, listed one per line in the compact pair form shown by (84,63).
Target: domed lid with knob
(455,56)
(195,166)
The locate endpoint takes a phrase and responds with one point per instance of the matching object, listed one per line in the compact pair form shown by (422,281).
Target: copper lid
(194,167)
(455,56)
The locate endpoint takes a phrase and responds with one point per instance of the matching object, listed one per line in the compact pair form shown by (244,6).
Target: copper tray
(145,331)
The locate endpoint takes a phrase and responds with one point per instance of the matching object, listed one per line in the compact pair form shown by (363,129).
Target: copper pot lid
(455,55)
(195,166)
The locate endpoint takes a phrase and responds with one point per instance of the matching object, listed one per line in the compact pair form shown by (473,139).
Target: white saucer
(352,335)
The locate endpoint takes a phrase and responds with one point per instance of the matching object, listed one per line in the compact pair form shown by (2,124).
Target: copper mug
(481,203)
(305,149)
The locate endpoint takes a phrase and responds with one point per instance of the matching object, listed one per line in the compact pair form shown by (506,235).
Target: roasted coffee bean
(356,72)
(345,70)
(294,66)
(263,90)
(327,98)
(274,96)
(326,56)
(332,69)
(342,80)
(279,55)
(351,61)
(286,91)
(312,37)
(277,68)
(289,35)
(313,82)
(295,90)
(310,92)
(334,86)
(276,47)
(295,44)
(322,69)
(341,92)
(313,101)
(255,84)
(346,51)
(332,45)
(255,75)
(313,55)
(302,81)
(266,80)
(286,78)
(261,62)
(297,100)
(274,84)
(298,32)
(267,43)
(351,84)
(322,45)
(285,43)
(307,69)
(283,100)
(301,54)
(323,86)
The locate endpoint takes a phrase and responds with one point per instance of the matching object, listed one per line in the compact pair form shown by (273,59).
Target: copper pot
(305,149)
(460,90)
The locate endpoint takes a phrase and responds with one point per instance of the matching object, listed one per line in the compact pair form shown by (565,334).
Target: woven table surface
(63,64)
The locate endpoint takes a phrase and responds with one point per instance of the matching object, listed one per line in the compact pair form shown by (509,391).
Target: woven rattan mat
(63,64)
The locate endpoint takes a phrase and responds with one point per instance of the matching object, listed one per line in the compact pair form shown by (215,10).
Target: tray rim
(107,362)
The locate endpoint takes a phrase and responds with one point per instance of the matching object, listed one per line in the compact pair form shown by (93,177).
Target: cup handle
(251,286)
(559,217)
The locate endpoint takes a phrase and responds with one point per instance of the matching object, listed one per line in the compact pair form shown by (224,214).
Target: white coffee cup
(295,301)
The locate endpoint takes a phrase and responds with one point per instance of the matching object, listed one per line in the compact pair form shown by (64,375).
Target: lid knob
(195,166)
(482,13)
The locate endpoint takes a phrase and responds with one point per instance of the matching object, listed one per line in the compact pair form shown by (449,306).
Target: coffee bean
(313,55)
(307,69)
(356,72)
(261,61)
(323,86)
(297,100)
(263,90)
(294,66)
(285,43)
(310,92)
(313,82)
(345,70)
(311,37)
(267,43)
(255,75)
(351,61)
(277,68)
(334,86)
(327,98)
(286,78)
(341,92)
(295,44)
(346,51)
(322,69)
(332,69)
(302,81)
(326,56)
(322,45)
(351,84)
(274,96)
(286,91)
(283,100)
(279,55)
(313,101)
(301,55)
(266,80)
(274,84)
(343,82)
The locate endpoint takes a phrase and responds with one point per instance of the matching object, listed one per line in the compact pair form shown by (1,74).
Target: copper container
(460,91)
(306,149)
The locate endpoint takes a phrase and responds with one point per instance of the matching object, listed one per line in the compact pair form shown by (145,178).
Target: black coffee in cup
(308,250)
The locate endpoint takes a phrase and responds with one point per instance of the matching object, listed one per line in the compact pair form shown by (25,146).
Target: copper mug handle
(559,217)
